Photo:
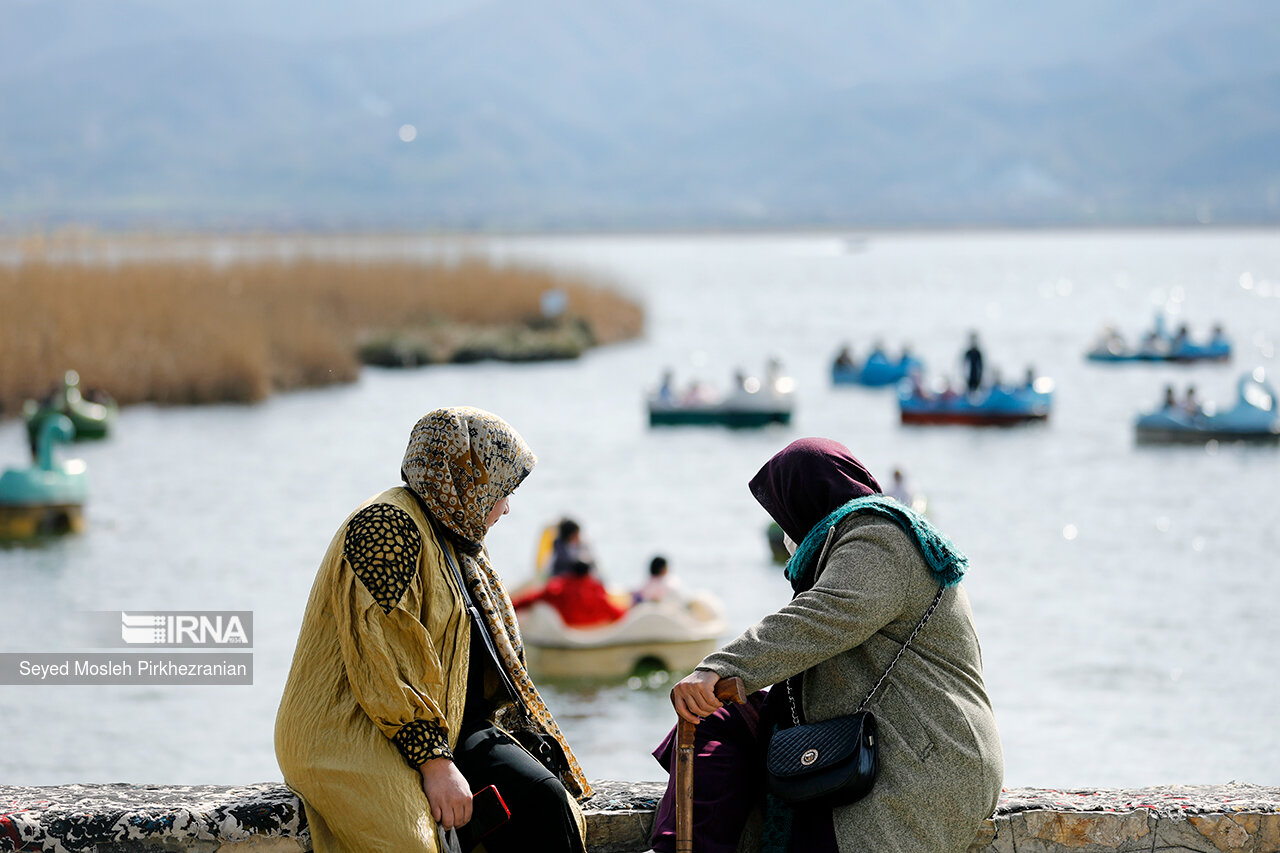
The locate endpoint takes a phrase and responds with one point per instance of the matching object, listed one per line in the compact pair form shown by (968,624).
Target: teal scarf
(945,560)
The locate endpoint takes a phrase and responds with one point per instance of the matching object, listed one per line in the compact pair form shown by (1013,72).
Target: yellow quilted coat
(377,684)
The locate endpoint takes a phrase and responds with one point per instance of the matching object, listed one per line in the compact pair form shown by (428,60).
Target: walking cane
(727,690)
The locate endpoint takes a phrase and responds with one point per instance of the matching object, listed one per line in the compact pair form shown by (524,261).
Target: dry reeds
(178,331)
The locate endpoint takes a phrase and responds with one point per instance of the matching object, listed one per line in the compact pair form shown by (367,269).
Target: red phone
(488,812)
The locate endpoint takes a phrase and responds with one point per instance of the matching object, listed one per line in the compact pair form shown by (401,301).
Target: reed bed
(187,331)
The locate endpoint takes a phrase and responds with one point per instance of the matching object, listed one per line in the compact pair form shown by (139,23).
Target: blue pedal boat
(1160,345)
(876,371)
(1254,418)
(996,406)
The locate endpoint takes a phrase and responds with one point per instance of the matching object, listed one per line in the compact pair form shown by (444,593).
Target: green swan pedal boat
(92,417)
(48,498)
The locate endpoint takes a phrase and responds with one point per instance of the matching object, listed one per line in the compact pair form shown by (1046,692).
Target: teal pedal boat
(46,499)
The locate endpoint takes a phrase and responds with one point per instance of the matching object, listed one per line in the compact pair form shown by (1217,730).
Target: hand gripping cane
(727,690)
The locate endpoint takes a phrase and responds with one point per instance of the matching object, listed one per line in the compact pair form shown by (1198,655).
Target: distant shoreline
(12,240)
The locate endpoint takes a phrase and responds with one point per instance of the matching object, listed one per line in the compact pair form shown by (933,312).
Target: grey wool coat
(941,765)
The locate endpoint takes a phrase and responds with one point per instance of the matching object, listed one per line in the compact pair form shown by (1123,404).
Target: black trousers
(540,811)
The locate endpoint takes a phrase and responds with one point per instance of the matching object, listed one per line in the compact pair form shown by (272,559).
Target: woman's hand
(447,792)
(694,696)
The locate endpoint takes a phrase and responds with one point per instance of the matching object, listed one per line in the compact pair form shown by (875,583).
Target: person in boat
(1218,337)
(973,364)
(569,549)
(844,358)
(1180,338)
(1110,341)
(666,390)
(1191,403)
(918,390)
(1152,344)
(55,397)
(97,395)
(408,689)
(581,599)
(697,394)
(661,585)
(1170,399)
(865,572)
(898,489)
(773,375)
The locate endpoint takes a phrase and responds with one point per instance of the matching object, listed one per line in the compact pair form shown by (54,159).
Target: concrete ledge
(127,818)
(266,818)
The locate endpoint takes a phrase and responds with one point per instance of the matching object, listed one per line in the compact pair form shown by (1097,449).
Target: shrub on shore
(183,331)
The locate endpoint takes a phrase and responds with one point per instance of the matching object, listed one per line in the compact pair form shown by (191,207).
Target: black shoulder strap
(795,714)
(477,618)
(932,607)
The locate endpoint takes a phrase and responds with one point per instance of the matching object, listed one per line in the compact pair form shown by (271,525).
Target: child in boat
(660,586)
(580,599)
(570,548)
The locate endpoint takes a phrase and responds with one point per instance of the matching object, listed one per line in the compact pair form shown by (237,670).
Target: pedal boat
(671,635)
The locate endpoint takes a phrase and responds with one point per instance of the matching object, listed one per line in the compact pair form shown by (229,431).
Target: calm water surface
(1125,596)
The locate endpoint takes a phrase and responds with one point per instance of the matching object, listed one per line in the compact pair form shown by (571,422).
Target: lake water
(1125,596)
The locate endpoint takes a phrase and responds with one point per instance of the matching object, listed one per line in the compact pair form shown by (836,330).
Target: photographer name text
(192,668)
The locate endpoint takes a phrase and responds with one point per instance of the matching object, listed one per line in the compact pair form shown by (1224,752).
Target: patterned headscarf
(461,462)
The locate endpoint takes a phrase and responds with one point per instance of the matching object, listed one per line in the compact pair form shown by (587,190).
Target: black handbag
(834,762)
(545,748)
(828,764)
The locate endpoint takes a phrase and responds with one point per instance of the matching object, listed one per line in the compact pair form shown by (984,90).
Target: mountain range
(618,114)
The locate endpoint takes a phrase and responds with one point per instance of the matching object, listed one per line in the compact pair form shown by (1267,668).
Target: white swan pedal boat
(672,634)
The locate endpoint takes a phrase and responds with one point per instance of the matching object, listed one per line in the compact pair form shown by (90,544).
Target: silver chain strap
(791,696)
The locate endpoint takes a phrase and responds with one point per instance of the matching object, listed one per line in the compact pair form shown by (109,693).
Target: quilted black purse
(834,762)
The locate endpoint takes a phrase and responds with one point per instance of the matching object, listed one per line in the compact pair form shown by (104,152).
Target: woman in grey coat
(865,572)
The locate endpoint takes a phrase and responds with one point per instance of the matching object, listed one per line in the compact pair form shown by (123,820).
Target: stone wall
(267,818)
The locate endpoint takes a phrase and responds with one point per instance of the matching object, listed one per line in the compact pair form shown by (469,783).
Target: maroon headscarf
(808,479)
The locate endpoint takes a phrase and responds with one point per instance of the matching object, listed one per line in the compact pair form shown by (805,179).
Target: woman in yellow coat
(408,689)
